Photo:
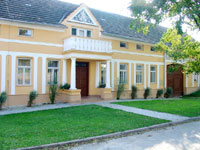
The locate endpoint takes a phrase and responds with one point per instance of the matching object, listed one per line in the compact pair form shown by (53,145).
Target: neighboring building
(42,40)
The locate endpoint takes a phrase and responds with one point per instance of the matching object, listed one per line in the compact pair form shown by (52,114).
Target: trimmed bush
(66,86)
(102,85)
(120,90)
(53,91)
(3,98)
(159,93)
(168,93)
(147,93)
(134,92)
(32,97)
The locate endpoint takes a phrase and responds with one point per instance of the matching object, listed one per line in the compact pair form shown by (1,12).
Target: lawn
(50,126)
(184,107)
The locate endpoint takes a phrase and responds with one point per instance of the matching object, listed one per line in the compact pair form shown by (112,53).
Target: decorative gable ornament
(83,16)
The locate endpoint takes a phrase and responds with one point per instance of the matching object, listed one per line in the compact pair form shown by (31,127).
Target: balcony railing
(91,45)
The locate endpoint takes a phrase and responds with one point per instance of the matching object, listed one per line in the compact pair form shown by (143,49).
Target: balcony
(90,45)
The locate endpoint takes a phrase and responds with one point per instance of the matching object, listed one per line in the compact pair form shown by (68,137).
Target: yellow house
(42,40)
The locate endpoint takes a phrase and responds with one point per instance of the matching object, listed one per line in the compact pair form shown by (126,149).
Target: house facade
(48,40)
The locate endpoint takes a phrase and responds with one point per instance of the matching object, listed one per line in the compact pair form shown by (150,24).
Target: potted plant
(134,92)
(159,93)
(168,92)
(32,97)
(120,90)
(147,93)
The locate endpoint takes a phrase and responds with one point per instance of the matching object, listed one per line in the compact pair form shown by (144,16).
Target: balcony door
(82,77)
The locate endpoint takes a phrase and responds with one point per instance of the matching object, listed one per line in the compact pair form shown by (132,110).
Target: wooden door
(82,76)
(175,81)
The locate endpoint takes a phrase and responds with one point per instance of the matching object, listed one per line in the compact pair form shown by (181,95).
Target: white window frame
(25,29)
(104,74)
(24,67)
(124,74)
(53,68)
(153,72)
(78,32)
(141,73)
(142,47)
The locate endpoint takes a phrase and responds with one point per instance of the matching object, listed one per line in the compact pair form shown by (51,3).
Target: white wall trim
(135,53)
(186,81)
(108,74)
(73,74)
(130,64)
(29,42)
(113,75)
(3,73)
(44,75)
(64,75)
(87,56)
(198,80)
(137,62)
(97,74)
(158,76)
(118,65)
(193,80)
(13,72)
(35,74)
(145,76)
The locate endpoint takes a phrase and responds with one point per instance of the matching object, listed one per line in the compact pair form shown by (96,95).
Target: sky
(121,7)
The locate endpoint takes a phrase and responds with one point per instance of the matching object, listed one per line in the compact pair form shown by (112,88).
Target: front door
(82,76)
(175,81)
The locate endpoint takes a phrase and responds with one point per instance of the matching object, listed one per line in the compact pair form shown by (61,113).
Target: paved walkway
(181,137)
(144,112)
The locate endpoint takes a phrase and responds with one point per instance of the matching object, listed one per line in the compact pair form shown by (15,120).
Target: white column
(64,75)
(165,72)
(118,72)
(108,74)
(186,81)
(145,76)
(113,77)
(97,74)
(130,76)
(13,66)
(3,73)
(134,72)
(149,75)
(44,69)
(158,76)
(73,74)
(193,80)
(35,73)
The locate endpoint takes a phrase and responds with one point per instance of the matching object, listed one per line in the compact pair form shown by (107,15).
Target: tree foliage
(156,11)
(181,49)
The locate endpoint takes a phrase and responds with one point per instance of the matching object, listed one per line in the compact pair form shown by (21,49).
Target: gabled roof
(53,12)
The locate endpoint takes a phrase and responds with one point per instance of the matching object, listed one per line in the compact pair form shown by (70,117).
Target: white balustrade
(85,44)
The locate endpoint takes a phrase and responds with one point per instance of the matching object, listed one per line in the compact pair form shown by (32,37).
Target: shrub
(53,91)
(147,93)
(168,93)
(3,98)
(159,93)
(134,92)
(32,97)
(120,90)
(102,85)
(65,86)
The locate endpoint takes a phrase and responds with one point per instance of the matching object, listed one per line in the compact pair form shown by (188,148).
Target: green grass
(184,107)
(50,126)
(194,94)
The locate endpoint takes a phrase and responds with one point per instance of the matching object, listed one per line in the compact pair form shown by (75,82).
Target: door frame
(88,69)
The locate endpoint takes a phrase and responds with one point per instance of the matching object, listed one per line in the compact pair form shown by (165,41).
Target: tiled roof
(52,12)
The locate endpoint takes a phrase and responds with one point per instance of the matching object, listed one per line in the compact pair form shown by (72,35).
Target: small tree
(147,93)
(120,90)
(32,97)
(3,98)
(53,91)
(168,93)
(134,92)
(159,93)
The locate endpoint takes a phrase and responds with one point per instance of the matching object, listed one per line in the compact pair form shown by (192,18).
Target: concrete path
(144,112)
(181,137)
